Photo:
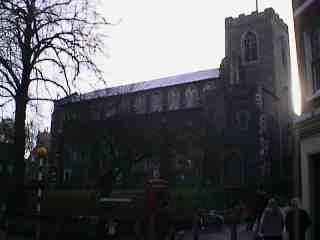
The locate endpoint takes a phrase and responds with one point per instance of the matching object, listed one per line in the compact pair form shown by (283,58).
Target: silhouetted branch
(47,43)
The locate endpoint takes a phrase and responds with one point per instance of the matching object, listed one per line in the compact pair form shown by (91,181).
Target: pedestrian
(236,215)
(297,221)
(249,218)
(260,203)
(272,222)
(196,225)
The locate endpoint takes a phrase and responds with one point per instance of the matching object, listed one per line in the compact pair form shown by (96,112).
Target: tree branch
(46,80)
(5,64)
(8,90)
(8,80)
(6,102)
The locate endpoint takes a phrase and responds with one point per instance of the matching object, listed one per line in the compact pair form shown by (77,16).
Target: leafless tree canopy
(44,45)
(46,42)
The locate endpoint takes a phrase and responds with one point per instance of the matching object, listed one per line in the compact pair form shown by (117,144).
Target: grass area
(69,202)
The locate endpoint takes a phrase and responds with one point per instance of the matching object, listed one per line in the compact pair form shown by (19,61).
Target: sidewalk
(12,237)
(223,235)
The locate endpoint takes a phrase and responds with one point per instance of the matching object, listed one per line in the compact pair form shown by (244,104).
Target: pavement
(224,234)
(242,234)
(2,237)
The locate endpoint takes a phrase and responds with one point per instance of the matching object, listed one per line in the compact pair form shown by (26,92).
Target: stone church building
(224,127)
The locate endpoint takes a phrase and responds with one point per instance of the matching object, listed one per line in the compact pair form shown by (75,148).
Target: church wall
(242,131)
(147,104)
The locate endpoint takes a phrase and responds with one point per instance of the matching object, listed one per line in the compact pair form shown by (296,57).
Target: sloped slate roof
(143,86)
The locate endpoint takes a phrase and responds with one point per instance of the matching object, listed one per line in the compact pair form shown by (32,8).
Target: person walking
(196,225)
(249,217)
(297,221)
(272,222)
(260,202)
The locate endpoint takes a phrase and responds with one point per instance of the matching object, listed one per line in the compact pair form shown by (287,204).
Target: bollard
(234,234)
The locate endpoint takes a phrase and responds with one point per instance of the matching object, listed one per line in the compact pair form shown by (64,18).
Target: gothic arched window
(250,47)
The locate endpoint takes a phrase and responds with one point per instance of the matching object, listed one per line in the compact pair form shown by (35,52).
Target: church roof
(143,86)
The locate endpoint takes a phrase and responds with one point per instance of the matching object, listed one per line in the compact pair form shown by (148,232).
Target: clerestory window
(250,47)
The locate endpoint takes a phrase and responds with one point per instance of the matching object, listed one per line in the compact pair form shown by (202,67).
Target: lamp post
(41,154)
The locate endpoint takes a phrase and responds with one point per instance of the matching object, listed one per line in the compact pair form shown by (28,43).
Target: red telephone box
(157,191)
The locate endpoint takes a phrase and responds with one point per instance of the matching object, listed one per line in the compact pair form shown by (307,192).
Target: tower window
(250,47)
(315,47)
(243,118)
(283,51)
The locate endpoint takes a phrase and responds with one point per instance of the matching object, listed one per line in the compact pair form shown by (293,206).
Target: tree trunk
(19,144)
(20,139)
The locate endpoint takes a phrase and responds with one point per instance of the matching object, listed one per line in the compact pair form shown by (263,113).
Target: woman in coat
(272,222)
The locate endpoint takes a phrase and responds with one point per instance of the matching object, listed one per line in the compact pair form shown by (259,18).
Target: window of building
(191,97)
(174,99)
(10,169)
(232,169)
(140,104)
(315,48)
(242,119)
(250,47)
(156,102)
(283,51)
(67,175)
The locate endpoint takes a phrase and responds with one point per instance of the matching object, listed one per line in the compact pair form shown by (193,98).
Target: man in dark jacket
(297,221)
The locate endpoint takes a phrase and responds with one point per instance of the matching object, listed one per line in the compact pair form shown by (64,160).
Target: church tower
(256,75)
(260,43)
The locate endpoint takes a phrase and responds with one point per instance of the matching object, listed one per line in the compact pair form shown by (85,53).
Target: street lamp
(41,152)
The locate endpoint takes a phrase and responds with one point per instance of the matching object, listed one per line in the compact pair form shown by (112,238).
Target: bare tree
(44,45)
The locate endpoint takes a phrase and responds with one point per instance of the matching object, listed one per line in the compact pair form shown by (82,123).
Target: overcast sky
(153,38)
